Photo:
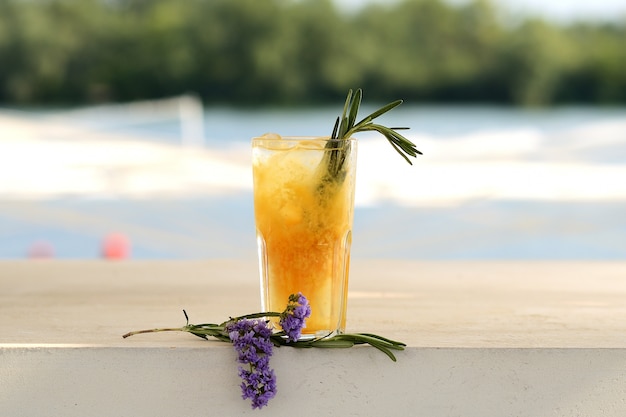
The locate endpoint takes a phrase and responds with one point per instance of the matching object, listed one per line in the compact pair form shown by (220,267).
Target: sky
(558,10)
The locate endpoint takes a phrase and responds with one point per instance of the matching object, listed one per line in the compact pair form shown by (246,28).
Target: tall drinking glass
(304,208)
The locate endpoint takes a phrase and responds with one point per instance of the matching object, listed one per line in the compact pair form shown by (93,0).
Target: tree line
(289,52)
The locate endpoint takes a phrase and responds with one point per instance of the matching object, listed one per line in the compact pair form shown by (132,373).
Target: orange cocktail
(304,226)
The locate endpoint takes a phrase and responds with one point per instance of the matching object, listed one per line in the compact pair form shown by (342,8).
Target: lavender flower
(251,339)
(292,320)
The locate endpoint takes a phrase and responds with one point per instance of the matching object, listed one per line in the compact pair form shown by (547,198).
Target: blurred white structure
(91,152)
(191,113)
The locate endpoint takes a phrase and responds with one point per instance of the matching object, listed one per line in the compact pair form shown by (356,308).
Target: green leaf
(384,339)
(380,112)
(335,129)
(354,108)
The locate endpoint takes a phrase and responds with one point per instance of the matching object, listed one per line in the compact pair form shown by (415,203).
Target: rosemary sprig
(346,340)
(346,126)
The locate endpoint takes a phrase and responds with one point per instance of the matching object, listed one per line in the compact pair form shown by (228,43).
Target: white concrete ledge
(484,339)
(100,381)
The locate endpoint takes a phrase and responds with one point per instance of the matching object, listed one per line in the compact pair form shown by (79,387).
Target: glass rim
(295,138)
(311,143)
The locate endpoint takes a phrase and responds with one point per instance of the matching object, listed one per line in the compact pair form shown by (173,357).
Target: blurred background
(125,125)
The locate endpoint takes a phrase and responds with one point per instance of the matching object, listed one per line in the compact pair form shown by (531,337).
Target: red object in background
(116,246)
(41,250)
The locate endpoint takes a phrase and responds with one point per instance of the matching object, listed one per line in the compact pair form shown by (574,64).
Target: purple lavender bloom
(293,319)
(251,339)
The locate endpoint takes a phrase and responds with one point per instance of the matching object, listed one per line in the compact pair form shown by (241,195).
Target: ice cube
(271,136)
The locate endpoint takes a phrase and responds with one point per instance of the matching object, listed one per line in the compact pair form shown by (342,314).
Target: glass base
(320,334)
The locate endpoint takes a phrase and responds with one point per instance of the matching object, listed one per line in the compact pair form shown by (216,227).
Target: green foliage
(300,51)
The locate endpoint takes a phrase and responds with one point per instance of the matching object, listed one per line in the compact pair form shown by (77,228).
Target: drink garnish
(346,126)
(253,339)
